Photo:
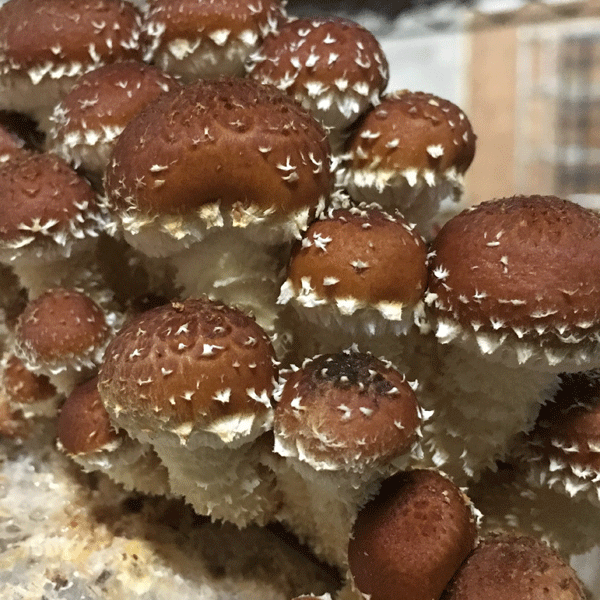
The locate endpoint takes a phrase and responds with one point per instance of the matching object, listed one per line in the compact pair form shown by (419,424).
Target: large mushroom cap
(172,166)
(411,538)
(53,41)
(200,40)
(358,258)
(346,411)
(334,67)
(88,120)
(512,567)
(189,366)
(519,279)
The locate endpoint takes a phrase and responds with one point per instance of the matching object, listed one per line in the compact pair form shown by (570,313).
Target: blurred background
(526,72)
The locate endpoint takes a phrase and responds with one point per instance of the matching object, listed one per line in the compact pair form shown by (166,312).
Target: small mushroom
(46,44)
(194,379)
(204,40)
(357,276)
(410,152)
(409,541)
(343,422)
(333,67)
(63,334)
(86,434)
(90,117)
(513,567)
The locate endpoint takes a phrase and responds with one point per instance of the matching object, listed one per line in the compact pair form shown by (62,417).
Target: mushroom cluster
(236,271)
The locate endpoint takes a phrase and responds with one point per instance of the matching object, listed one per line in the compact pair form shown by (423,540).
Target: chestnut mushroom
(46,44)
(194,379)
(86,434)
(342,422)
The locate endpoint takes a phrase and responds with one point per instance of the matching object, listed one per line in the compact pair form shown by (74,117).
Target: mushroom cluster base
(70,536)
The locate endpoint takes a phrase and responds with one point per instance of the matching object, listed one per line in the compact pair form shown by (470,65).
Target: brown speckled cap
(346,411)
(178,157)
(519,279)
(512,567)
(46,44)
(411,538)
(357,258)
(22,386)
(410,132)
(46,208)
(83,424)
(94,112)
(200,40)
(334,67)
(76,34)
(194,364)
(60,326)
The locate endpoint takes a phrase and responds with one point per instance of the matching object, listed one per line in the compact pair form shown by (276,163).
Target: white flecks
(223,395)
(435,150)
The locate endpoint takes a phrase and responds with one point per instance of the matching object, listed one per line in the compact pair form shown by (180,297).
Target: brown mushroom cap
(58,328)
(411,538)
(520,275)
(22,386)
(83,424)
(410,132)
(512,567)
(357,258)
(227,30)
(45,35)
(346,411)
(324,63)
(46,44)
(176,158)
(190,365)
(46,208)
(100,104)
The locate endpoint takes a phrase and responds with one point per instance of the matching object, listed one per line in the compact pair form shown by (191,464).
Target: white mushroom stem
(320,506)
(226,483)
(130,463)
(479,406)
(229,266)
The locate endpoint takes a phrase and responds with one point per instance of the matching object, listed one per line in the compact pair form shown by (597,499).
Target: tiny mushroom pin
(195,379)
(343,422)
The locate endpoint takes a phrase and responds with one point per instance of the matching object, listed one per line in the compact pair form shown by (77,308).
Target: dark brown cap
(411,538)
(200,40)
(358,258)
(47,209)
(520,278)
(88,120)
(83,424)
(334,67)
(512,567)
(346,411)
(174,161)
(190,365)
